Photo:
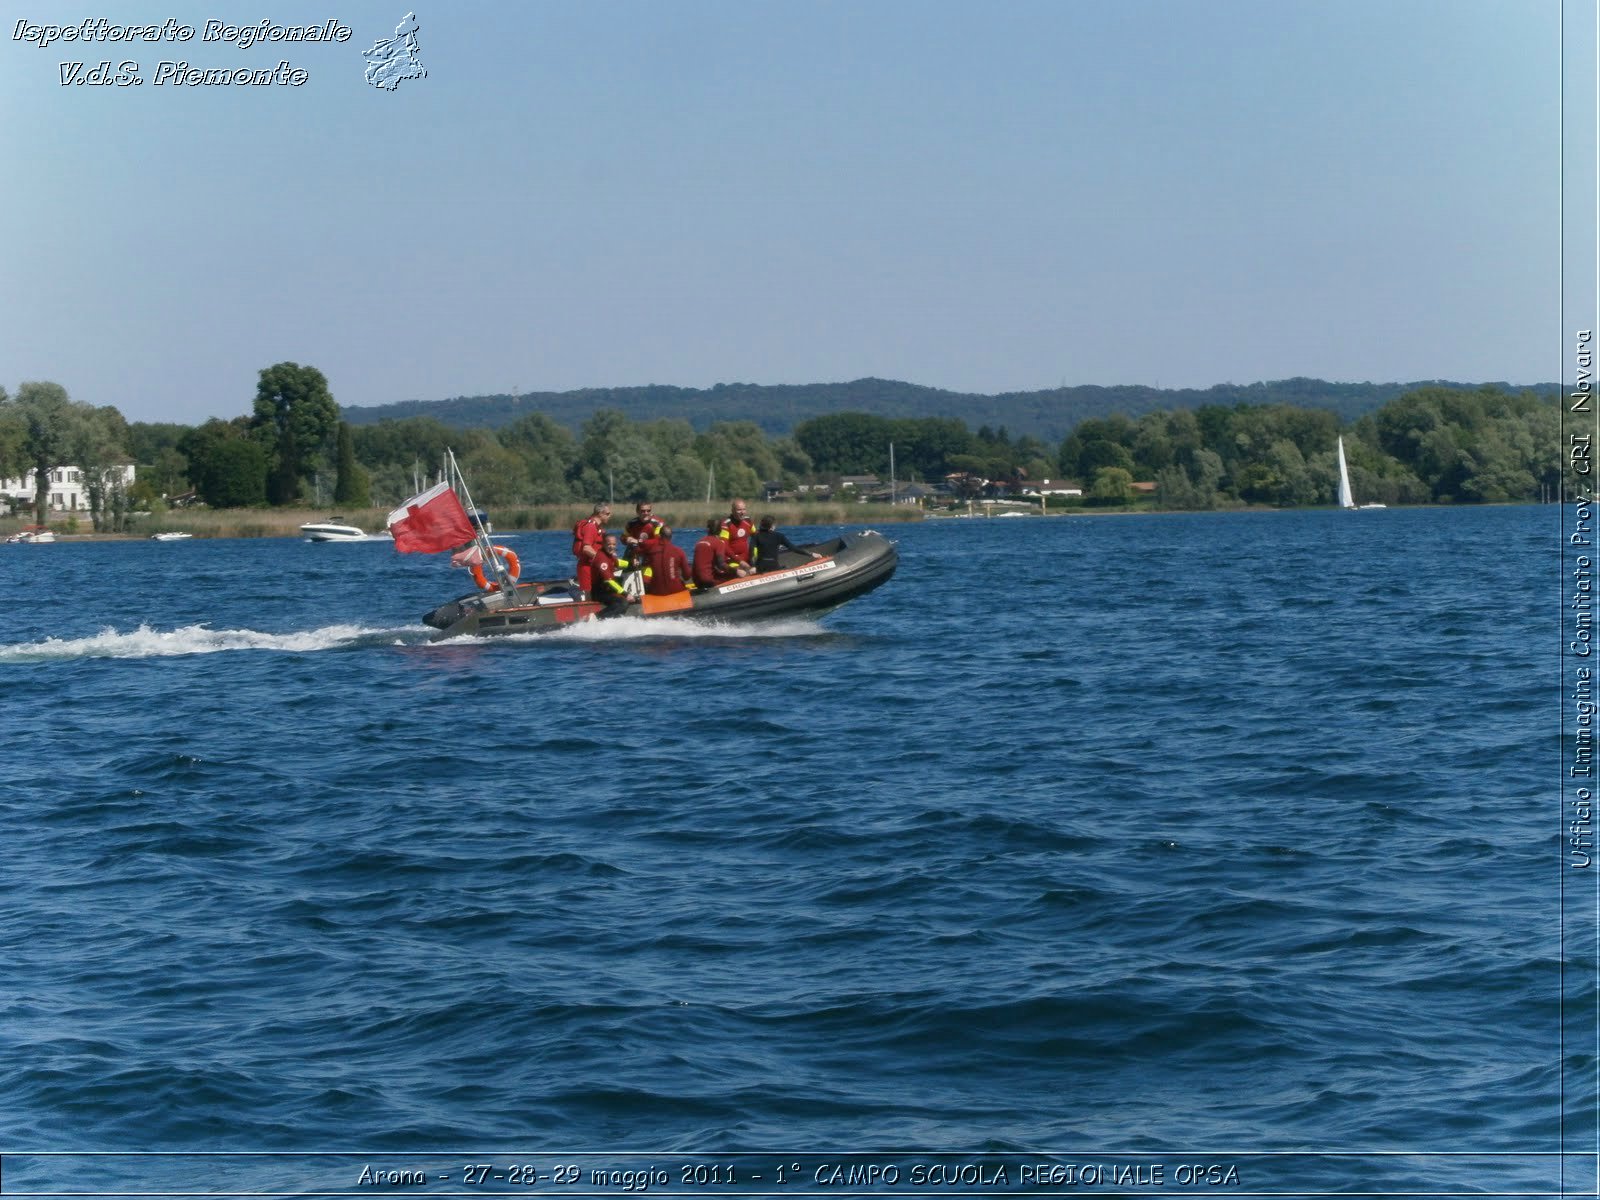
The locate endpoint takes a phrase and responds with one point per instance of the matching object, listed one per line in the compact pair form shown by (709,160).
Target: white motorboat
(172,536)
(337,531)
(32,535)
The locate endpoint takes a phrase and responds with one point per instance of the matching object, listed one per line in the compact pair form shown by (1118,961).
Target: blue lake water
(1222,838)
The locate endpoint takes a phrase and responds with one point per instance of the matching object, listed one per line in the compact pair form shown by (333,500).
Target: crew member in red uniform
(608,587)
(711,565)
(588,538)
(736,531)
(666,565)
(644,524)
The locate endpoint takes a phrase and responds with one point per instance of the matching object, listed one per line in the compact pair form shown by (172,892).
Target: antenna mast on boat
(480,536)
(711,474)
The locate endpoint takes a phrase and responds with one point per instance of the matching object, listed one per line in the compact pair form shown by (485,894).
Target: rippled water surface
(1224,832)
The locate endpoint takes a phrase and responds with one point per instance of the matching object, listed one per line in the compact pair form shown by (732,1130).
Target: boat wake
(146,642)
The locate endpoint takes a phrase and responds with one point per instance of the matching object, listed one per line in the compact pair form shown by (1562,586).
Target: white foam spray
(146,642)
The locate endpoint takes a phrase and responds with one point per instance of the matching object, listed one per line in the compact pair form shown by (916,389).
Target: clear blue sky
(982,196)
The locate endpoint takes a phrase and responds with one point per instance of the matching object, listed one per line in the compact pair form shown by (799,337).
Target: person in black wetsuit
(768,542)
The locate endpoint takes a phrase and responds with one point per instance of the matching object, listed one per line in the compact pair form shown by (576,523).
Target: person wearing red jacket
(666,566)
(711,565)
(608,586)
(588,538)
(735,533)
(644,524)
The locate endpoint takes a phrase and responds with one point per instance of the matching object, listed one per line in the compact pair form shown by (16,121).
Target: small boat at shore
(848,567)
(337,531)
(32,535)
(170,536)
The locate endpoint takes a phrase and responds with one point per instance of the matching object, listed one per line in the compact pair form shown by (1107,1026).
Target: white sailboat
(1346,496)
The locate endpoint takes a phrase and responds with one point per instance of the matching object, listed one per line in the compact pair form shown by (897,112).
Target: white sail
(1346,499)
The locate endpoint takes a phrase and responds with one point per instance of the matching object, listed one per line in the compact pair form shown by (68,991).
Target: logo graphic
(394,59)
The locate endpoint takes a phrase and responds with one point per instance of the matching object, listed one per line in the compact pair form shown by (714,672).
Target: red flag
(430,522)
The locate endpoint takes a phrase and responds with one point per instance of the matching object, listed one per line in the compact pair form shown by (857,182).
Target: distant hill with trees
(778,408)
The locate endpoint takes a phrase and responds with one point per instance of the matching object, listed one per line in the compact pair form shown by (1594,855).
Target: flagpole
(478,534)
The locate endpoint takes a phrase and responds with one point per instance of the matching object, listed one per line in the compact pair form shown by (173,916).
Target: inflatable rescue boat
(848,567)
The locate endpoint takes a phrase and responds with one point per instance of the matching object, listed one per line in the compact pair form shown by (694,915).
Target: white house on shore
(68,492)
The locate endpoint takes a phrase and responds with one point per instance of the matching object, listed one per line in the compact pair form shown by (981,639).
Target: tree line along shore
(292,458)
(685,517)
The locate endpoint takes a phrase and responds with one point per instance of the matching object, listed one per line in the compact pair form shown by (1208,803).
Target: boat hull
(329,532)
(849,567)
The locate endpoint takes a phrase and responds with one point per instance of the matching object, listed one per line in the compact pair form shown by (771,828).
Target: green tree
(1153,448)
(1097,443)
(617,459)
(846,443)
(13,439)
(161,465)
(1297,483)
(409,450)
(1541,436)
(679,465)
(498,476)
(352,488)
(547,452)
(146,494)
(794,464)
(924,446)
(236,475)
(1173,489)
(1205,469)
(283,471)
(973,466)
(294,417)
(1258,483)
(728,445)
(227,467)
(49,421)
(1112,485)
(1502,466)
(1183,430)
(98,447)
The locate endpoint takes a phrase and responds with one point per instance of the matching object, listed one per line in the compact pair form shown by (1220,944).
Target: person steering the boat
(770,542)
(711,565)
(588,536)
